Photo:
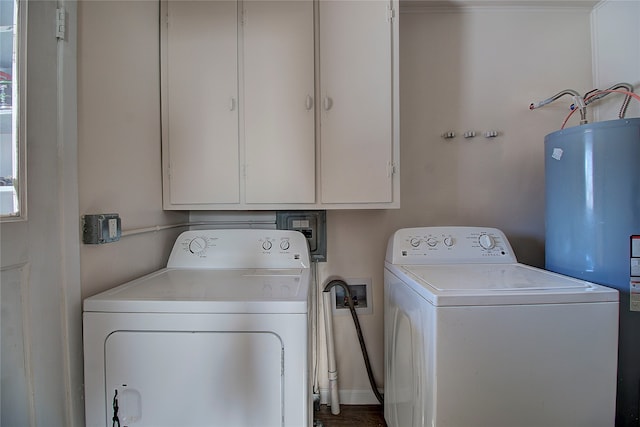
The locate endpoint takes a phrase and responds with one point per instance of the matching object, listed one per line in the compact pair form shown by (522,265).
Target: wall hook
(470,134)
(449,135)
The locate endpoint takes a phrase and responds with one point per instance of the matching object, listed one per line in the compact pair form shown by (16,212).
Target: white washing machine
(218,338)
(475,339)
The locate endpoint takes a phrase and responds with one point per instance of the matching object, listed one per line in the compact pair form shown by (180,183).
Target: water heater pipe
(331,354)
(578,103)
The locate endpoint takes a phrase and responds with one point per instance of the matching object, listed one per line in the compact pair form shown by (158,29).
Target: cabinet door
(278,101)
(356,141)
(200,123)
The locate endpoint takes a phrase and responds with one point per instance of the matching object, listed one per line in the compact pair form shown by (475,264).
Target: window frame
(19,110)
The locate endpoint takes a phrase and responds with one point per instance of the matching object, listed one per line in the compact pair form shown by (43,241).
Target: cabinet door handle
(328,103)
(309,103)
(232,104)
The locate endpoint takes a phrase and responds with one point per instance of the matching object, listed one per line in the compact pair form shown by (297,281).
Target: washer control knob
(432,242)
(266,245)
(415,242)
(284,245)
(448,241)
(486,241)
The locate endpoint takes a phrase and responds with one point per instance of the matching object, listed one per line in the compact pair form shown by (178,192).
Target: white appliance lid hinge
(61,23)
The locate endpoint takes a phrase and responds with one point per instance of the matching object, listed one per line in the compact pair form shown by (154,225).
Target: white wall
(119,138)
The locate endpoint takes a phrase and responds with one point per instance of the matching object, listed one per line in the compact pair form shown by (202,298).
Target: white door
(200,102)
(41,350)
(279,101)
(356,101)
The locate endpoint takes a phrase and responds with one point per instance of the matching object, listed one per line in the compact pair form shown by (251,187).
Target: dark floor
(351,416)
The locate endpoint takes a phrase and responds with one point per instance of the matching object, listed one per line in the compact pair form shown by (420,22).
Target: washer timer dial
(486,241)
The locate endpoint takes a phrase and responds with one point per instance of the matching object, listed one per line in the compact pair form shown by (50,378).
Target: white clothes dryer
(217,338)
(475,339)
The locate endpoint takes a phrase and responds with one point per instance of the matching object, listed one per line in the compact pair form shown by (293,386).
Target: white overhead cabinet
(201,160)
(356,126)
(280,104)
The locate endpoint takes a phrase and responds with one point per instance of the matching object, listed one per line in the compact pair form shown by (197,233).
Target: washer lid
(208,291)
(496,284)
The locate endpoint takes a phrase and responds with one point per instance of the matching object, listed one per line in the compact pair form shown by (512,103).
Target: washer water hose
(333,375)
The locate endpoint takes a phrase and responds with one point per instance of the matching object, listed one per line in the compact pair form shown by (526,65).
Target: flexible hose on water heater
(330,350)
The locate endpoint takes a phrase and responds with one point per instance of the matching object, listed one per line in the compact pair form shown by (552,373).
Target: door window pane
(10,70)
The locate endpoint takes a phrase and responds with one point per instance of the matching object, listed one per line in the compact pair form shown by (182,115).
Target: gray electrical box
(101,228)
(310,223)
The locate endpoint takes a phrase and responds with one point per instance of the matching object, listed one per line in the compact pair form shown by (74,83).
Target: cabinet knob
(328,103)
(232,104)
(309,102)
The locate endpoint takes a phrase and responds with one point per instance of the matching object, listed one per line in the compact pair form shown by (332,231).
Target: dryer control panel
(250,248)
(449,245)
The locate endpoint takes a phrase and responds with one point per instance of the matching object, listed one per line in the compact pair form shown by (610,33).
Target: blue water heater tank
(592,183)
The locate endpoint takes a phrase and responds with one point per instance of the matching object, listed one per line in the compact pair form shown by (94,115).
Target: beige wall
(474,69)
(119,138)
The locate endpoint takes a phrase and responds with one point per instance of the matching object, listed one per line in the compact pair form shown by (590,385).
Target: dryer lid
(488,284)
(208,291)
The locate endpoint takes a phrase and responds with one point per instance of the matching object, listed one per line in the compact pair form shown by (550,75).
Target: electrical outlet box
(310,223)
(361,295)
(101,228)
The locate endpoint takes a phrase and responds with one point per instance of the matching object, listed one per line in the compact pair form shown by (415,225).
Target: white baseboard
(350,397)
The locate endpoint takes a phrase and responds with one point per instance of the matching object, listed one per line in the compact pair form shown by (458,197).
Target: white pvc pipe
(331,354)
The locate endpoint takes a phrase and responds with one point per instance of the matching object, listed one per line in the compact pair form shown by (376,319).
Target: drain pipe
(331,354)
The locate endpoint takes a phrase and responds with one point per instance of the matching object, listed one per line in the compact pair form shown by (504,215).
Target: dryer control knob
(486,241)
(432,242)
(266,245)
(284,245)
(448,241)
(198,245)
(415,242)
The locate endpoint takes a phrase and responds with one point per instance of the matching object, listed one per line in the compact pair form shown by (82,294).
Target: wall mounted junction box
(101,228)
(313,224)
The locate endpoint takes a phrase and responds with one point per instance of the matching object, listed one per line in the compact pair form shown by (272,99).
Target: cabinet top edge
(416,6)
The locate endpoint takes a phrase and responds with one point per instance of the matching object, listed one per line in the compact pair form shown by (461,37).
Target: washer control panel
(449,245)
(248,248)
